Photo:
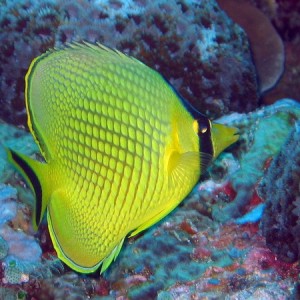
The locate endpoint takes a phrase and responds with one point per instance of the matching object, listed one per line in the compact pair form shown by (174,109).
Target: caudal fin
(34,173)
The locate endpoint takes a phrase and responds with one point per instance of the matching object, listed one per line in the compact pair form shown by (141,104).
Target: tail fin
(34,173)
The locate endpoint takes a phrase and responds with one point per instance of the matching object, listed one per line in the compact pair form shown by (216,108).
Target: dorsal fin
(187,105)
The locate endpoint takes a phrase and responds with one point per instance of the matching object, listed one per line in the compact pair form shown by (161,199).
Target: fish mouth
(234,133)
(223,136)
(235,130)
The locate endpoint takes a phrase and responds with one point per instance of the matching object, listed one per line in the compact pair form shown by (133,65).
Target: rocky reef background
(237,235)
(280,42)
(192,43)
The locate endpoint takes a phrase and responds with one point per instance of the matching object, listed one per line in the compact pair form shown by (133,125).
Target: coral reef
(289,84)
(266,44)
(285,16)
(281,191)
(27,29)
(13,137)
(267,130)
(193,44)
(188,254)
(20,253)
(236,235)
(287,20)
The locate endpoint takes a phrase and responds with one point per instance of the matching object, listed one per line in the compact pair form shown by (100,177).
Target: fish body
(121,149)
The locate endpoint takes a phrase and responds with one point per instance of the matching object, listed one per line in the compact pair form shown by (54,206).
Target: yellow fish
(121,149)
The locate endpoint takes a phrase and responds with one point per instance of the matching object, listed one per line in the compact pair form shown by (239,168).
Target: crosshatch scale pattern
(114,135)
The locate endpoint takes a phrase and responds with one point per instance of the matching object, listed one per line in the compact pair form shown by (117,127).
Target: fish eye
(203,125)
(203,129)
(200,128)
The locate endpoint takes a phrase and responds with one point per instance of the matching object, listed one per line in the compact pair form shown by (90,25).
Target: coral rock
(192,43)
(280,188)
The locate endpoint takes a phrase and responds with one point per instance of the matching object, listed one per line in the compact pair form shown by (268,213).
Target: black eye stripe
(204,132)
(204,127)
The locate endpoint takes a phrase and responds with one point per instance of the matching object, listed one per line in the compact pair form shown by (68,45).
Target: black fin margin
(188,106)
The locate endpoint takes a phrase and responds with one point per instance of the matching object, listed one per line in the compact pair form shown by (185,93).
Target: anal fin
(154,219)
(112,257)
(75,241)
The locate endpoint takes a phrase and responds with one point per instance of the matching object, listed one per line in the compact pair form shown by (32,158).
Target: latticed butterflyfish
(122,149)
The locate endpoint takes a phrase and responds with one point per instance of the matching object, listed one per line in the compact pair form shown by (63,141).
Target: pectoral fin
(183,168)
